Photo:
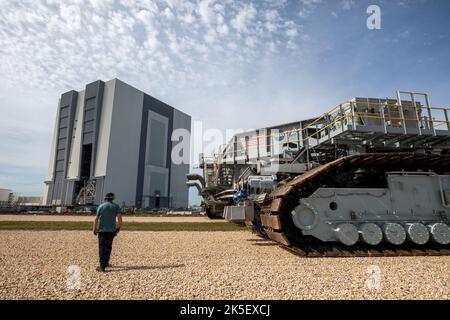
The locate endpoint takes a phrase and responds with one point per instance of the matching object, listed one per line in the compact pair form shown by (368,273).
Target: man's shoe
(100,269)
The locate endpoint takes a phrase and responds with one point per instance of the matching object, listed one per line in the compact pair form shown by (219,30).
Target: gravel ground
(13,217)
(203,265)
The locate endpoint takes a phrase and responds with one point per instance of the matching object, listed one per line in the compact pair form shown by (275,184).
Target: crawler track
(278,226)
(320,249)
(323,250)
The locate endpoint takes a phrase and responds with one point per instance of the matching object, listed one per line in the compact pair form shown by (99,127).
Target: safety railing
(349,113)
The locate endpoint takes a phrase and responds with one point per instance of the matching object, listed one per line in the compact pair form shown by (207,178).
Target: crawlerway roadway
(203,265)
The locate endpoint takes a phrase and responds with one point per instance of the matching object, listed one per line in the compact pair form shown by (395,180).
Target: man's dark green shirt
(107,213)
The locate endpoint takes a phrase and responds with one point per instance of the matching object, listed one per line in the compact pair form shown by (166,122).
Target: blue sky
(230,64)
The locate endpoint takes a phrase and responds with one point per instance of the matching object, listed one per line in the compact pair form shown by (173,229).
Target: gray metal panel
(152,104)
(124,143)
(409,198)
(103,138)
(158,183)
(99,190)
(66,117)
(93,99)
(63,122)
(157,143)
(89,126)
(415,194)
(88,138)
(48,200)
(59,165)
(179,191)
(164,202)
(59,155)
(69,185)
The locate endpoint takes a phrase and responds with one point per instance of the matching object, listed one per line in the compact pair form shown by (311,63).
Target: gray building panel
(122,165)
(155,157)
(179,189)
(158,107)
(158,130)
(68,103)
(100,190)
(158,184)
(69,185)
(65,121)
(93,99)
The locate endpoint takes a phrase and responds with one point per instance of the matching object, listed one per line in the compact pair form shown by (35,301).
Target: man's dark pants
(105,240)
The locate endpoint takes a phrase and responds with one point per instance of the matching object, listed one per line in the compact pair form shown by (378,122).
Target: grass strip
(129,226)
(92,214)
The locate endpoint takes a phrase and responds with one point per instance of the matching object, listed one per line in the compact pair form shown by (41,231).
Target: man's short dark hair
(109,196)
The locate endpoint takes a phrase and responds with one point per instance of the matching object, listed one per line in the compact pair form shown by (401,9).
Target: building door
(157,201)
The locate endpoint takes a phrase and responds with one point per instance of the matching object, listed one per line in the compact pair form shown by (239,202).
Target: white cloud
(210,36)
(149,5)
(187,18)
(232,45)
(219,8)
(271,15)
(404,34)
(291,45)
(122,22)
(184,10)
(250,41)
(205,11)
(98,20)
(292,32)
(60,45)
(160,46)
(310,2)
(347,4)
(222,29)
(307,7)
(291,29)
(100,5)
(244,18)
(71,15)
(272,18)
(168,13)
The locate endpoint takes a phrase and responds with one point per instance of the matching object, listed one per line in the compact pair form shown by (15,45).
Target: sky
(229,64)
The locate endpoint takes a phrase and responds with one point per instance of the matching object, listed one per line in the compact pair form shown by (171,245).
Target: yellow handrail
(321,117)
(345,103)
(353,116)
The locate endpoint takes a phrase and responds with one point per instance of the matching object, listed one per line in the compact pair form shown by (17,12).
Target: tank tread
(317,250)
(367,159)
(273,227)
(361,251)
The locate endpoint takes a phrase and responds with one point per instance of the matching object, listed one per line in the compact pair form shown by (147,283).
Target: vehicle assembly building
(112,137)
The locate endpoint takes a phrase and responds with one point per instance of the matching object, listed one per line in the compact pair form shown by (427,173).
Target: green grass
(130,226)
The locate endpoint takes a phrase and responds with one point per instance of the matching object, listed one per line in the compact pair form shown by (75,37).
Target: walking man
(106,229)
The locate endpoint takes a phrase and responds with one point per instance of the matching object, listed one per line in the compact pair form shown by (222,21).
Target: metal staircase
(86,196)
